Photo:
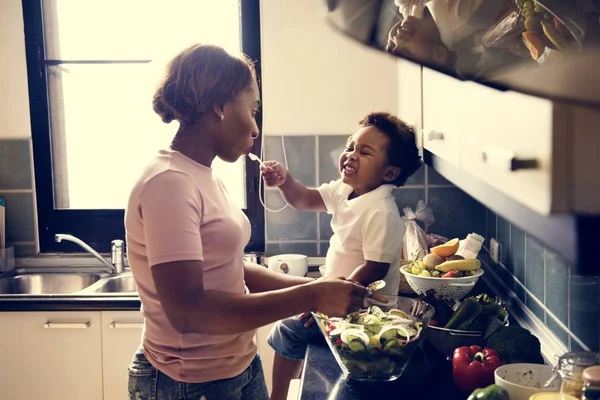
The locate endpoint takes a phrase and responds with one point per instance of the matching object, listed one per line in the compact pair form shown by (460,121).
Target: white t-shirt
(368,227)
(454,18)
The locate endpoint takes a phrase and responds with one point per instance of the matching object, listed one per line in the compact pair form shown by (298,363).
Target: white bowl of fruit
(442,270)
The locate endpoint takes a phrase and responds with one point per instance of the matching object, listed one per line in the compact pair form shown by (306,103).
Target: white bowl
(523,380)
(455,288)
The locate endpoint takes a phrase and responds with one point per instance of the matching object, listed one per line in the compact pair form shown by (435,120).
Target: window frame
(98,227)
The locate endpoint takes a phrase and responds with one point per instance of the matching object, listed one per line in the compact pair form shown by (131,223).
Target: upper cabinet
(443,124)
(526,147)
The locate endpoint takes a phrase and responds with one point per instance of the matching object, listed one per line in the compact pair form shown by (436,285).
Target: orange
(447,249)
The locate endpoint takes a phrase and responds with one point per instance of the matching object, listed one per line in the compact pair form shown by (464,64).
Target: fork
(254,157)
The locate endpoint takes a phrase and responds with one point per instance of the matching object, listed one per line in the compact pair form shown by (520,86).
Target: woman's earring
(222,117)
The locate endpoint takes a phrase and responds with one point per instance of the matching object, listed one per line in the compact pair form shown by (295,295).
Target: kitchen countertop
(427,376)
(69,303)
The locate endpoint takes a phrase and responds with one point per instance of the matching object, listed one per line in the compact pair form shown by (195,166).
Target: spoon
(254,157)
(374,287)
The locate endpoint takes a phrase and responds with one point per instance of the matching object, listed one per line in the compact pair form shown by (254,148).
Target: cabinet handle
(435,135)
(66,325)
(126,325)
(506,160)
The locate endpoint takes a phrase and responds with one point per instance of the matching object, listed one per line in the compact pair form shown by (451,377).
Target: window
(92,69)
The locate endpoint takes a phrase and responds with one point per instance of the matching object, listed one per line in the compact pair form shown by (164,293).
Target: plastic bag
(415,239)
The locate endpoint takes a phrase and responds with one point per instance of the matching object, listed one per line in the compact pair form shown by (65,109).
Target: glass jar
(570,367)
(591,385)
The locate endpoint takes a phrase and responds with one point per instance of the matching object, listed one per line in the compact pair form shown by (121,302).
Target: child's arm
(368,272)
(294,193)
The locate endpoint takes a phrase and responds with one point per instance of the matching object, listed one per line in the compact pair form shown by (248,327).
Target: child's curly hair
(402,148)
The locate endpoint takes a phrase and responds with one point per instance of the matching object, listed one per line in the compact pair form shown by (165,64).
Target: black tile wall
(408,197)
(15,165)
(330,148)
(300,153)
(288,224)
(456,213)
(568,304)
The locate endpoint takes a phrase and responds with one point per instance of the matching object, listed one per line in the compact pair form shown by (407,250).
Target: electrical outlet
(495,251)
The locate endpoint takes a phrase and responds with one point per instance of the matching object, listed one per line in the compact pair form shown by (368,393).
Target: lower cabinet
(67,355)
(266,353)
(121,336)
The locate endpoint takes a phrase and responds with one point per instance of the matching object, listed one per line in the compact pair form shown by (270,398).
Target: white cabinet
(409,95)
(443,109)
(538,152)
(508,142)
(67,355)
(50,356)
(266,353)
(294,389)
(121,336)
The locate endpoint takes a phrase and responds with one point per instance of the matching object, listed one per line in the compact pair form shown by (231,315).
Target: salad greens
(372,344)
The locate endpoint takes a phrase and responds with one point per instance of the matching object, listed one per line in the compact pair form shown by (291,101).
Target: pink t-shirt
(179,211)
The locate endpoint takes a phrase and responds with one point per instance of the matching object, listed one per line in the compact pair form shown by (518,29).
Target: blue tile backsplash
(569,305)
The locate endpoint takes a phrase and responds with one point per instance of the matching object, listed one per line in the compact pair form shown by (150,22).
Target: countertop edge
(79,303)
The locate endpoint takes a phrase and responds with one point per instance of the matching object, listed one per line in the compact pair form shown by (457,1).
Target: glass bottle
(591,385)
(571,366)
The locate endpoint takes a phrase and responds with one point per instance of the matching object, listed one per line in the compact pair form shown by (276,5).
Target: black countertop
(69,303)
(427,376)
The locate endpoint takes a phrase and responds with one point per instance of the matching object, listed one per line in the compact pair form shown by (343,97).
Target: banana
(554,36)
(460,265)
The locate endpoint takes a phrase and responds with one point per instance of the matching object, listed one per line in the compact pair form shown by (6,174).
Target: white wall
(315,80)
(14,98)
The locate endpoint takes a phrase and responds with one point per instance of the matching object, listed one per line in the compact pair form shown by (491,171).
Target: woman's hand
(274,173)
(337,297)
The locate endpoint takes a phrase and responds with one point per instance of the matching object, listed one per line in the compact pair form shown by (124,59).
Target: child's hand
(274,173)
(305,315)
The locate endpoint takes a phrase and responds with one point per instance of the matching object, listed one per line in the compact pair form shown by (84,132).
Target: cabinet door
(50,356)
(443,108)
(266,353)
(121,336)
(508,144)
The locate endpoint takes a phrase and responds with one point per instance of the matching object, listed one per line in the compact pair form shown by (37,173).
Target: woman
(186,239)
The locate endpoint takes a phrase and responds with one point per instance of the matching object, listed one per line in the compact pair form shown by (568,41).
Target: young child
(367,228)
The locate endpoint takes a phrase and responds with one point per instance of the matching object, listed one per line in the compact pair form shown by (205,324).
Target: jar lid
(551,396)
(573,363)
(592,374)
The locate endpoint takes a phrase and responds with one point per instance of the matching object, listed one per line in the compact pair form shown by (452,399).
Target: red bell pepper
(473,367)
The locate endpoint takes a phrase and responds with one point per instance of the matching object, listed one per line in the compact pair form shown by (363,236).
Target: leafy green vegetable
(516,345)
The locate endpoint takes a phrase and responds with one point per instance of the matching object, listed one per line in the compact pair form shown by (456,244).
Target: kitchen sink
(117,284)
(46,283)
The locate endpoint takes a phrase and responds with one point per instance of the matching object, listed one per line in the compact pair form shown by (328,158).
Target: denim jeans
(290,338)
(147,383)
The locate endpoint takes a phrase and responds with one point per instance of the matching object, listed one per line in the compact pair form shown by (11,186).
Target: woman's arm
(261,279)
(191,309)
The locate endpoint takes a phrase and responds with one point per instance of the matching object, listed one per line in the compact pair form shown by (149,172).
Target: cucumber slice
(357,345)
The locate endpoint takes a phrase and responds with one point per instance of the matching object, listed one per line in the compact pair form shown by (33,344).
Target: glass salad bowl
(376,343)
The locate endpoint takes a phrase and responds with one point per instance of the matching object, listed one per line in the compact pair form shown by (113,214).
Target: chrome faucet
(117,264)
